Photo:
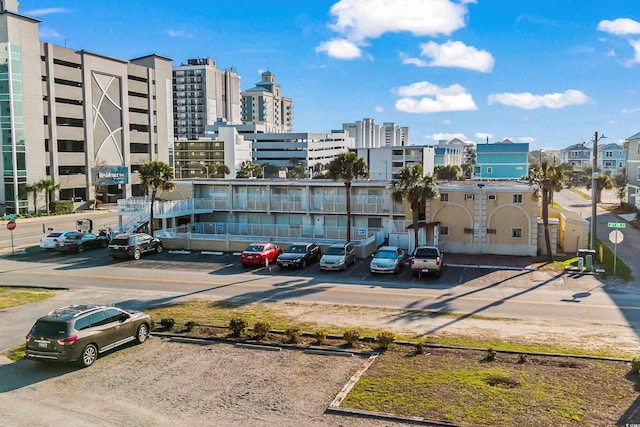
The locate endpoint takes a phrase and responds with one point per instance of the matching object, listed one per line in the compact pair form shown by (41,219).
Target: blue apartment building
(500,161)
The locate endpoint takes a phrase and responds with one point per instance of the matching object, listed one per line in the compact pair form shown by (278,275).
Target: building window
(517,199)
(489,170)
(443,230)
(492,197)
(516,233)
(468,231)
(444,197)
(468,196)
(608,153)
(491,231)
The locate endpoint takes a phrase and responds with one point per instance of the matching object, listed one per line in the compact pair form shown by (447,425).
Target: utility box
(588,257)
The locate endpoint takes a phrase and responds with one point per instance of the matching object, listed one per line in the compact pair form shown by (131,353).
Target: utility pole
(594,192)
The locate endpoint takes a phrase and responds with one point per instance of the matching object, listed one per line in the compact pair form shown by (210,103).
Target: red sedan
(260,254)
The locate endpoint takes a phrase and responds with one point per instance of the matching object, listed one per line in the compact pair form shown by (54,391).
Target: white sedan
(52,239)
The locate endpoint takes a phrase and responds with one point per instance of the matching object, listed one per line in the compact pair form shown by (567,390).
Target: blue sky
(547,72)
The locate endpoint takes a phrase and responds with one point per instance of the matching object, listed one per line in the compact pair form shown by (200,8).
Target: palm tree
(416,188)
(35,189)
(348,166)
(604,182)
(248,169)
(547,179)
(220,170)
(49,187)
(157,175)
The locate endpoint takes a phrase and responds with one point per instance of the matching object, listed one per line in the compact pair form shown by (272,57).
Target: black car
(299,255)
(78,242)
(133,245)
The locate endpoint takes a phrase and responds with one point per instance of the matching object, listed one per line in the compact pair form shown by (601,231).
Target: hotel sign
(110,175)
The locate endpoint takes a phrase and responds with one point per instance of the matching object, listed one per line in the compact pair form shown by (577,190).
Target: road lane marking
(368,291)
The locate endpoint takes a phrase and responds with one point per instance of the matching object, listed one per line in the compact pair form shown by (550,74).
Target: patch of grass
(459,387)
(580,193)
(13,297)
(622,270)
(16,353)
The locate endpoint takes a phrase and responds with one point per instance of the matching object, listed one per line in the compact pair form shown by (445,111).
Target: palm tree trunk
(347,185)
(545,222)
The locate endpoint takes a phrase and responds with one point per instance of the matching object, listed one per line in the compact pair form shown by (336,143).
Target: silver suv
(80,332)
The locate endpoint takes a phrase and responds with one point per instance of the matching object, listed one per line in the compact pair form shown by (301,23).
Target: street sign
(616,236)
(11,225)
(616,225)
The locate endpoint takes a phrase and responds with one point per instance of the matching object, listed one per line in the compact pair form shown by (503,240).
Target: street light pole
(594,192)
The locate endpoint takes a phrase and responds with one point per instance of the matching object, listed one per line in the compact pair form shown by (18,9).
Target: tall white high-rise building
(366,133)
(202,94)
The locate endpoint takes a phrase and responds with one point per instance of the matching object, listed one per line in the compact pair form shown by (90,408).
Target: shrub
(523,359)
(491,355)
(386,339)
(153,324)
(420,347)
(261,329)
(635,365)
(351,337)
(190,325)
(238,326)
(320,336)
(293,333)
(167,323)
(95,203)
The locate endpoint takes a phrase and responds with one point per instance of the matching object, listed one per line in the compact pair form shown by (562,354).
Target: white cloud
(635,44)
(49,33)
(340,49)
(446,122)
(45,11)
(620,26)
(356,21)
(378,109)
(453,54)
(630,110)
(424,97)
(527,139)
(484,136)
(528,101)
(177,33)
(611,53)
(443,136)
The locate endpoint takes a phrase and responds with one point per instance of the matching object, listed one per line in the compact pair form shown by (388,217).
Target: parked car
(260,254)
(338,256)
(388,259)
(81,332)
(79,242)
(427,260)
(299,255)
(133,245)
(51,240)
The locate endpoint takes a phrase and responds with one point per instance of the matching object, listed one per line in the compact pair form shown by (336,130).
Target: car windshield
(386,255)
(296,249)
(335,251)
(55,235)
(427,252)
(49,329)
(255,248)
(74,237)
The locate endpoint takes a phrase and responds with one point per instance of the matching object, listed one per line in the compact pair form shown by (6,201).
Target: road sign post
(616,237)
(11,225)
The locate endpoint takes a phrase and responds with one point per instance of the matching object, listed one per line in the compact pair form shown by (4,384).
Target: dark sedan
(79,242)
(299,255)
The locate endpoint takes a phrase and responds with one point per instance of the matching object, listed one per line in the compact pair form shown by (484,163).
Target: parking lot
(229,264)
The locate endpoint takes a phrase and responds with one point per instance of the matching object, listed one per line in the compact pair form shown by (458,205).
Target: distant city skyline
(547,73)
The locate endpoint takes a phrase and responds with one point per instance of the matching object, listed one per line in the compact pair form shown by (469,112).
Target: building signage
(110,175)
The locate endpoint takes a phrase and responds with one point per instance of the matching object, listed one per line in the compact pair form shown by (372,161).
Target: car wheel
(89,355)
(80,248)
(304,263)
(159,248)
(142,334)
(136,254)
(104,244)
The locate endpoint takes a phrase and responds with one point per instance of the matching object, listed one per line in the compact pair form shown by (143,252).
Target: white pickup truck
(426,260)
